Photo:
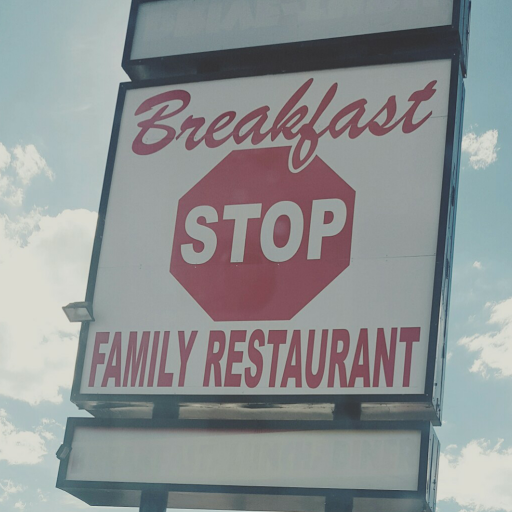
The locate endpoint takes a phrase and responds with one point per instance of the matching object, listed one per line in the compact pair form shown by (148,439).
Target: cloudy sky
(58,86)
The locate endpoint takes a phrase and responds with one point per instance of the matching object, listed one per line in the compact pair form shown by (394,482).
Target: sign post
(151,501)
(275,242)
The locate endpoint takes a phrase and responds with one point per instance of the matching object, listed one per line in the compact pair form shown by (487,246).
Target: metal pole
(339,504)
(152,501)
(347,411)
(156,501)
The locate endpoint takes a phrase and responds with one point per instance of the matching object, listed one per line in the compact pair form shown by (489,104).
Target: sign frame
(284,57)
(426,406)
(106,493)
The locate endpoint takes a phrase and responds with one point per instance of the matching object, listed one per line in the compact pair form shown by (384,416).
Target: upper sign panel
(177,27)
(229,38)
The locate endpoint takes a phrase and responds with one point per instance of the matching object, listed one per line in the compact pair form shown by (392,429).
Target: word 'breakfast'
(289,123)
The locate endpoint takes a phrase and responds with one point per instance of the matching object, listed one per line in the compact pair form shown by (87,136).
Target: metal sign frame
(128,494)
(426,406)
(278,58)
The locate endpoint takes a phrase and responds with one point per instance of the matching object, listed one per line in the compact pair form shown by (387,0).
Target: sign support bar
(151,501)
(156,501)
(337,505)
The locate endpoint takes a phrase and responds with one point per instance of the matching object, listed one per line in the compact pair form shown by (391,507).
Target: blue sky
(61,64)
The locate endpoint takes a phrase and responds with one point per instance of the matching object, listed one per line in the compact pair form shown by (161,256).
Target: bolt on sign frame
(100,388)
(285,466)
(177,37)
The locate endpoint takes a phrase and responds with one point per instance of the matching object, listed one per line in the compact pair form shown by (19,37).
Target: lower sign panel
(252,466)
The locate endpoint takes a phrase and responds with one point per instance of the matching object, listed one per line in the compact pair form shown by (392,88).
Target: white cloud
(19,446)
(478,478)
(8,487)
(9,192)
(18,169)
(43,497)
(47,422)
(19,505)
(28,164)
(5,157)
(493,349)
(44,262)
(478,265)
(482,149)
(69,501)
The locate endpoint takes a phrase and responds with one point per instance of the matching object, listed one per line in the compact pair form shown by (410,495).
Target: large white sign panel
(175,27)
(274,235)
(341,459)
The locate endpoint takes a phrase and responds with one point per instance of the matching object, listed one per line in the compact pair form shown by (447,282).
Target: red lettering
(337,359)
(308,134)
(185,349)
(418,98)
(139,147)
(383,129)
(290,122)
(154,354)
(97,356)
(361,370)
(113,371)
(164,378)
(260,117)
(136,360)
(313,380)
(276,339)
(358,109)
(194,124)
(277,127)
(293,370)
(213,358)
(233,380)
(387,359)
(218,124)
(408,335)
(256,358)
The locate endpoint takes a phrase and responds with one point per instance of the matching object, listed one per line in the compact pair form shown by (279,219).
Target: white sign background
(389,283)
(175,27)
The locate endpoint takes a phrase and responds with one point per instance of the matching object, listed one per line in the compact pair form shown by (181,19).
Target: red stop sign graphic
(254,241)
